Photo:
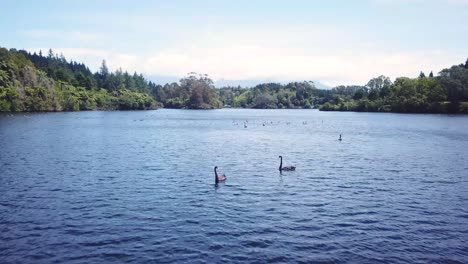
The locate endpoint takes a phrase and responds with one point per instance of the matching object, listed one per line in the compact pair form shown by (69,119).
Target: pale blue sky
(335,42)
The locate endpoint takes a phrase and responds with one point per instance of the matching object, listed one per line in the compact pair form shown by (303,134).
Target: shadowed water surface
(109,187)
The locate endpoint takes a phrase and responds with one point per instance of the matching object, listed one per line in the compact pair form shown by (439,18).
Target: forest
(33,82)
(445,93)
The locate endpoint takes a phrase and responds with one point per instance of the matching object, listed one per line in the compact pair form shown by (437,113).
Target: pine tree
(51,54)
(431,75)
(422,75)
(62,59)
(102,77)
(104,71)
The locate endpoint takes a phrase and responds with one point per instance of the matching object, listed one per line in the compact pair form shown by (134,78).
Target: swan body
(285,168)
(219,178)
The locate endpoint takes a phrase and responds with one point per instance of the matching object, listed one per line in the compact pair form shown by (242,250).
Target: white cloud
(269,52)
(269,64)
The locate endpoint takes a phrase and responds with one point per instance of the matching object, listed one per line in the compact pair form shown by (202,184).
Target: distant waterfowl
(219,178)
(286,168)
(340,138)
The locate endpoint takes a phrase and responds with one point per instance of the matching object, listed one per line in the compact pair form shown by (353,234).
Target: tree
(433,90)
(379,82)
(199,90)
(265,101)
(62,59)
(196,97)
(422,75)
(373,94)
(455,82)
(104,71)
(359,94)
(375,86)
(50,54)
(431,75)
(103,78)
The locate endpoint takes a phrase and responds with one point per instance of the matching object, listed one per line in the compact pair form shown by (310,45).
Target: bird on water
(219,178)
(285,168)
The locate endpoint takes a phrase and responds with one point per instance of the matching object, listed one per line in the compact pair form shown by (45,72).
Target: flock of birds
(223,178)
(264,123)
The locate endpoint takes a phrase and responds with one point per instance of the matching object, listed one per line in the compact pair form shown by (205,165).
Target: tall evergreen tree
(62,58)
(104,71)
(50,55)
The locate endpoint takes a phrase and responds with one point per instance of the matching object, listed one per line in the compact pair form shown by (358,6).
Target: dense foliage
(30,82)
(196,91)
(445,93)
(275,95)
(71,86)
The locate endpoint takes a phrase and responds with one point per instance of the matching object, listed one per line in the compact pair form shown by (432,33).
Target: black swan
(219,178)
(286,168)
(340,138)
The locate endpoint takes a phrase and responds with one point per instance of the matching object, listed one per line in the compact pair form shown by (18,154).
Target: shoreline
(235,108)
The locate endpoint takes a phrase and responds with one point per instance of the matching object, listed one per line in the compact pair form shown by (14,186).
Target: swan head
(280,156)
(216,167)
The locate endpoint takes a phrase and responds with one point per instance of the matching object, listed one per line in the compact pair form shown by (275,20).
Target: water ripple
(98,187)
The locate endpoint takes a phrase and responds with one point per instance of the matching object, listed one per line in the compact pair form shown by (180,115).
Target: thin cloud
(75,36)
(334,53)
(330,69)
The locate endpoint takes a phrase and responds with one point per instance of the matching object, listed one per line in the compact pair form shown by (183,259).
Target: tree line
(33,82)
(445,93)
(37,82)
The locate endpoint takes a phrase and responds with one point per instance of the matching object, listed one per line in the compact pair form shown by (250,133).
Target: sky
(335,42)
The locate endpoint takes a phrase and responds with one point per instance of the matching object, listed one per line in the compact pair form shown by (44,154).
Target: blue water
(112,187)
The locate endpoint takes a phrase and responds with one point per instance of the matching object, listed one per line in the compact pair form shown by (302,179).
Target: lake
(110,187)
